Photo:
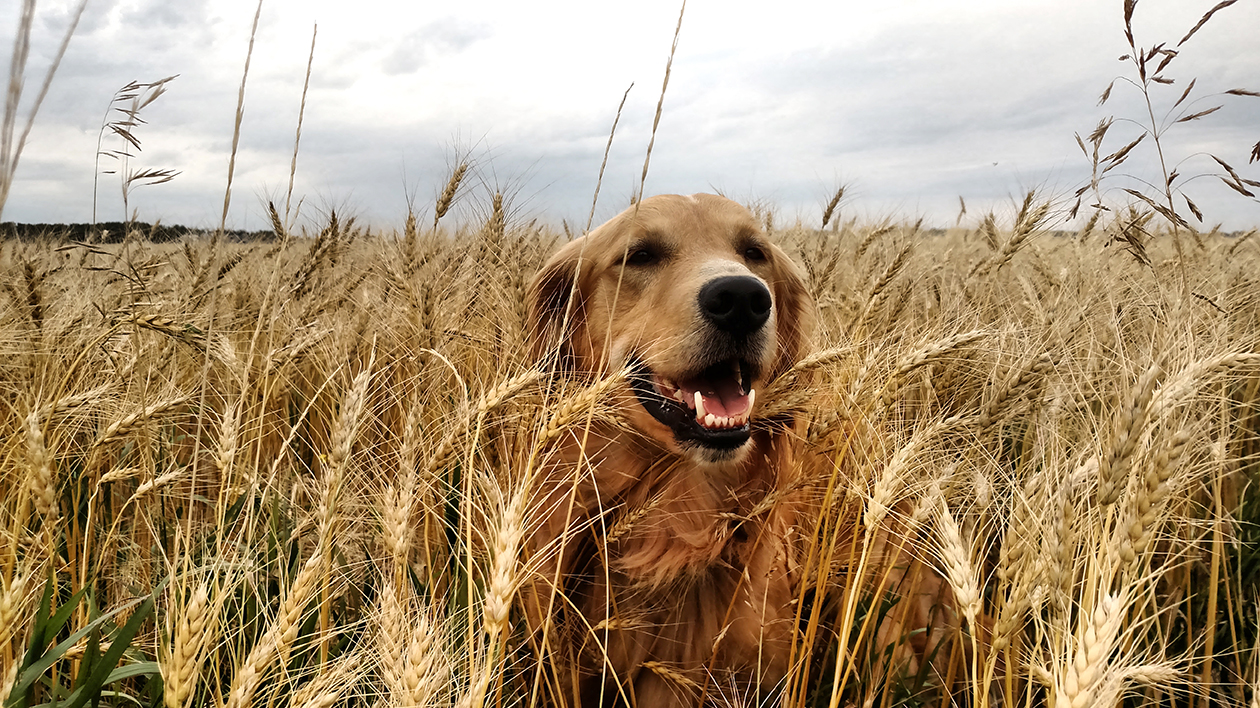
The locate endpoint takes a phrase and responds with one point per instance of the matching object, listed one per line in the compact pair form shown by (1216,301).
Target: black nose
(738,304)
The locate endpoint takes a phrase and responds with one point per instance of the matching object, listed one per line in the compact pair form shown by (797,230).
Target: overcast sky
(911,103)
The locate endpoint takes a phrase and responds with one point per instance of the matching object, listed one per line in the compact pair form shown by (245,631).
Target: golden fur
(652,581)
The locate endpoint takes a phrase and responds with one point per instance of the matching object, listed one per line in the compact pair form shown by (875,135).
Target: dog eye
(754,254)
(641,257)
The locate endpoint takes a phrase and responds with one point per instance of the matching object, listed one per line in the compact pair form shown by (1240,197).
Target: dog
(653,581)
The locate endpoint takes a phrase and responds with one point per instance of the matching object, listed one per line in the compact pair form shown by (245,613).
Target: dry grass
(316,455)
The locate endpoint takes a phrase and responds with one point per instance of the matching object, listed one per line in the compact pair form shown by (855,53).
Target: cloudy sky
(910,103)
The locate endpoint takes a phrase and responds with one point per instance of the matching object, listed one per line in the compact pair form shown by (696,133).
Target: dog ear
(795,312)
(556,306)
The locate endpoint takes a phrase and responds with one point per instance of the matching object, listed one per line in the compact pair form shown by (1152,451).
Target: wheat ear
(574,408)
(879,291)
(425,674)
(1149,498)
(280,636)
(392,622)
(785,394)
(181,663)
(501,588)
(831,206)
(43,471)
(870,239)
(327,688)
(1175,390)
(1077,687)
(1113,465)
(447,197)
(931,353)
(13,607)
(492,399)
(120,429)
(1013,389)
(960,569)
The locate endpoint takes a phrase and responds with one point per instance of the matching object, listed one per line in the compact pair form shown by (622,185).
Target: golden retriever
(654,584)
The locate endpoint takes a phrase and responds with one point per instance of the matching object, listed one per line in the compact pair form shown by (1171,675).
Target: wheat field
(289,473)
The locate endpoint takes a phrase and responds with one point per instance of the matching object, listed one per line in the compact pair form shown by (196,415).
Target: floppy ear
(794,312)
(556,306)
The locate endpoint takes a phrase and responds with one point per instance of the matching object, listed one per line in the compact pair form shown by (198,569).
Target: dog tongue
(722,396)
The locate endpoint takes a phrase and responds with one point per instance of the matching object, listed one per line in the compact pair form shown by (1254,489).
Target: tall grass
(323,487)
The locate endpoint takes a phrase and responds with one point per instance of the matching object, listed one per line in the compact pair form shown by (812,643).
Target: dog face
(688,291)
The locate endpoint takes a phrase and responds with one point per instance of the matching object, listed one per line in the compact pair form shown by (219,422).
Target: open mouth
(711,407)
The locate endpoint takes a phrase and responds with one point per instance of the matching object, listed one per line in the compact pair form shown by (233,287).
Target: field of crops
(289,472)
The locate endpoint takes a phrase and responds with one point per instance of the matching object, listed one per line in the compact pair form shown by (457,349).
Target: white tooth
(699,406)
(752,398)
(710,421)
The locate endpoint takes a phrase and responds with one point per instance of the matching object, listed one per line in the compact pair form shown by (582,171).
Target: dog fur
(652,582)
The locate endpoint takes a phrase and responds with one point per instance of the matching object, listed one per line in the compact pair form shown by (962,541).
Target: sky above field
(911,104)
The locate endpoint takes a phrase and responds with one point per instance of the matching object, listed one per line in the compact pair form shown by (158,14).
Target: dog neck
(674,517)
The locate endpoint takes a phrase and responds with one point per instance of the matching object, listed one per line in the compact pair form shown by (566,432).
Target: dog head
(687,291)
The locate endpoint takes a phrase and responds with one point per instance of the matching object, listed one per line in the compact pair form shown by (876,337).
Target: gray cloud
(912,117)
(446,36)
(166,16)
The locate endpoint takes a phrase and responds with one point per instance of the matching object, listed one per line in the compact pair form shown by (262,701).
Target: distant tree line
(114,231)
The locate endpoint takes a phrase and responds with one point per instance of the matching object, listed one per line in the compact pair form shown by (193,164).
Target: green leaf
(118,644)
(58,621)
(142,668)
(45,630)
(33,670)
(93,650)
